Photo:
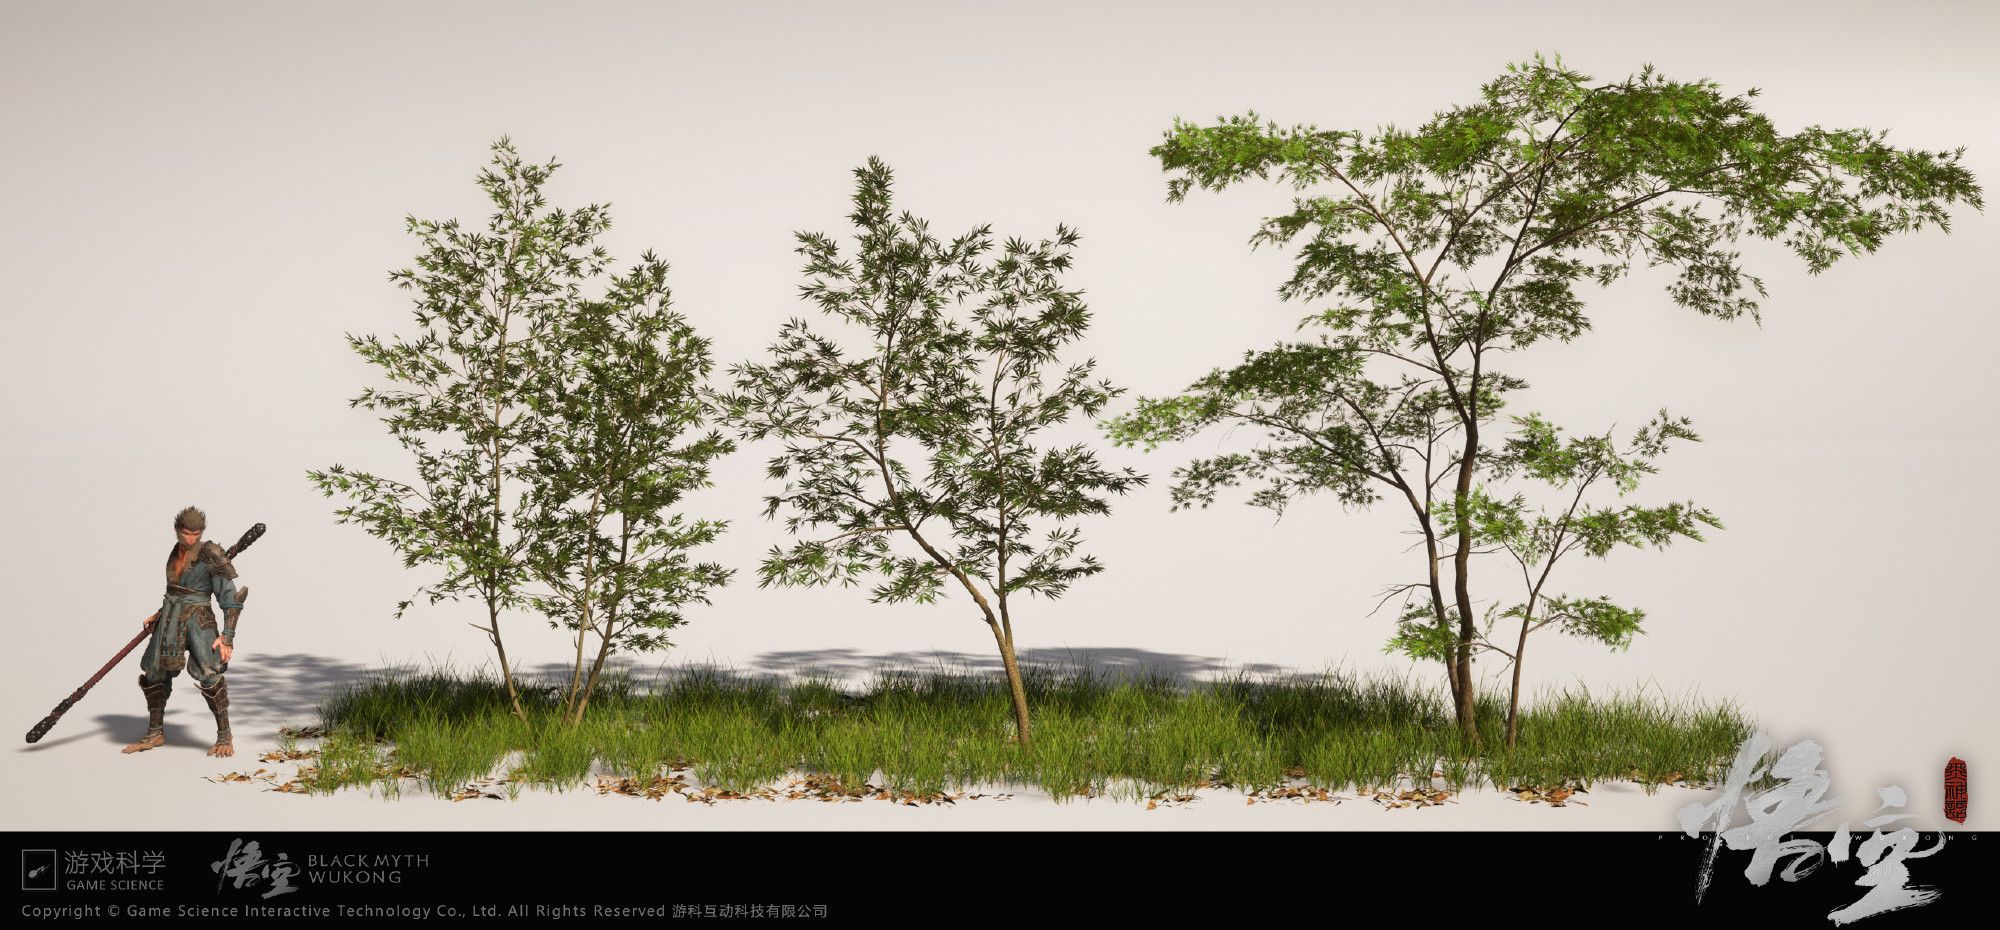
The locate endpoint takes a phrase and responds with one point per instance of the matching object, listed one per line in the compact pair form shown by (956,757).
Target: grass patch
(923,733)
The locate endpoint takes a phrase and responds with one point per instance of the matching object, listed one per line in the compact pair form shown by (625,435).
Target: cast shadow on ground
(265,693)
(856,668)
(273,691)
(1114,663)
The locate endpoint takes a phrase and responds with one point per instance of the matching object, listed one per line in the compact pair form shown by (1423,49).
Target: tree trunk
(506,673)
(590,685)
(1450,665)
(572,701)
(610,616)
(492,609)
(1514,696)
(1020,692)
(1438,609)
(1468,723)
(597,667)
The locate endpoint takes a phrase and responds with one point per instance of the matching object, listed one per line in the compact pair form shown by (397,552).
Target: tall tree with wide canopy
(1440,250)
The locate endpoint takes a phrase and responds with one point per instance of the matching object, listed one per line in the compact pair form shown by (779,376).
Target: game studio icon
(38,870)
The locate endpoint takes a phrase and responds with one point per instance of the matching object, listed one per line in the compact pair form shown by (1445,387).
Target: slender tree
(618,442)
(460,398)
(1536,536)
(916,456)
(1445,248)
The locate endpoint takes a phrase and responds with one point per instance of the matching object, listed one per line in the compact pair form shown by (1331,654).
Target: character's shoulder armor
(217,562)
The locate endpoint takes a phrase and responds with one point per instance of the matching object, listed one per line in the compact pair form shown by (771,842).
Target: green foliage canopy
(546,427)
(1438,251)
(929,432)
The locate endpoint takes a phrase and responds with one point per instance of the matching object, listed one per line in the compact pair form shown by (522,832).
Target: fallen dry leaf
(1409,798)
(1555,796)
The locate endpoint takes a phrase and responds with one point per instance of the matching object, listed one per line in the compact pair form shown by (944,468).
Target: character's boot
(218,702)
(156,714)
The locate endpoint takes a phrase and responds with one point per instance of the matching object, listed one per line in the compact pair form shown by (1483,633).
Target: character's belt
(185,595)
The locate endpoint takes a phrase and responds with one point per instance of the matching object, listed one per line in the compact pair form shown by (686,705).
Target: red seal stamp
(1954,790)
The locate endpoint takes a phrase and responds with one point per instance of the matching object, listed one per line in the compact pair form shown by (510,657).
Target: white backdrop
(202,198)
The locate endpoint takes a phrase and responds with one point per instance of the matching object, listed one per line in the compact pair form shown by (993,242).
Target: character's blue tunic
(184,636)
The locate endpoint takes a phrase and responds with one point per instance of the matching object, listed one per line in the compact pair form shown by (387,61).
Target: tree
(465,390)
(927,436)
(609,459)
(1536,537)
(1444,248)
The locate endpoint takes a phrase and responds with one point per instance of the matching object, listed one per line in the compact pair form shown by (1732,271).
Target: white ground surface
(76,778)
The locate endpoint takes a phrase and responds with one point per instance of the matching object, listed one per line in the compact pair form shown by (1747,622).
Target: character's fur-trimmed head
(191,518)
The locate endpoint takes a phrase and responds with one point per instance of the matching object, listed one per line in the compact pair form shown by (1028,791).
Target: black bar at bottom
(762,877)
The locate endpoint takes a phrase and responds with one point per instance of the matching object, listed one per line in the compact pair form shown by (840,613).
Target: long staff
(48,723)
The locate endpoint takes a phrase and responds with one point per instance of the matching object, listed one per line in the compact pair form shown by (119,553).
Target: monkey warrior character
(184,633)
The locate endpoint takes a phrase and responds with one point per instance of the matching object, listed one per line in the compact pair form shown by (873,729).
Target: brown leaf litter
(1417,798)
(822,788)
(1553,796)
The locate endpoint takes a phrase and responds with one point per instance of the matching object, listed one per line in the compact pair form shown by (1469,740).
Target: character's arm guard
(225,595)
